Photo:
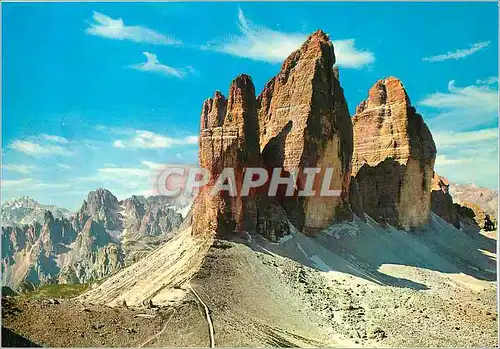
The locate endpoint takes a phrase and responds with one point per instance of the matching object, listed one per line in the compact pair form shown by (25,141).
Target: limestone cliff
(304,122)
(442,202)
(393,158)
(299,120)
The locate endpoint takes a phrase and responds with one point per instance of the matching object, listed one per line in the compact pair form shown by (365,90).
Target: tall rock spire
(299,120)
(304,122)
(393,159)
(229,139)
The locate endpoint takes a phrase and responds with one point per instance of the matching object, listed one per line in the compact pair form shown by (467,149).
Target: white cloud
(458,53)
(153,165)
(348,56)
(153,65)
(123,171)
(473,97)
(445,139)
(36,149)
(466,157)
(9,183)
(123,181)
(64,166)
(119,144)
(268,45)
(54,139)
(110,28)
(443,160)
(116,173)
(28,184)
(191,139)
(465,132)
(24,169)
(489,81)
(150,140)
(463,108)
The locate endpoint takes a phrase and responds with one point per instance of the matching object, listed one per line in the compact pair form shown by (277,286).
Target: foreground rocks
(442,202)
(266,294)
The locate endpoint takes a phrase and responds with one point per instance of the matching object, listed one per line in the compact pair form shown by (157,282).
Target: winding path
(209,319)
(159,333)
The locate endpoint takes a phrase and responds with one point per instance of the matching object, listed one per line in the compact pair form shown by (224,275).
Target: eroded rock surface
(228,139)
(442,202)
(393,159)
(304,122)
(299,120)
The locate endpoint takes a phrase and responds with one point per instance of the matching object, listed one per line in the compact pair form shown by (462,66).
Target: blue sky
(101,94)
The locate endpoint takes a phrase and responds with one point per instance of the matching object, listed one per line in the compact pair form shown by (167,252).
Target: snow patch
(319,263)
(315,259)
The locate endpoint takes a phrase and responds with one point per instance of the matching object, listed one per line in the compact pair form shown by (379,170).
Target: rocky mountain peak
(48,217)
(101,197)
(102,206)
(315,54)
(385,92)
(213,111)
(25,210)
(241,102)
(300,119)
(393,159)
(25,201)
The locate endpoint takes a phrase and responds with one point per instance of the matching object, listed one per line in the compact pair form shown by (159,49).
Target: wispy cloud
(64,166)
(34,148)
(54,139)
(468,157)
(489,81)
(463,108)
(153,165)
(153,65)
(160,166)
(150,140)
(465,132)
(444,160)
(458,53)
(28,184)
(110,28)
(123,181)
(268,45)
(24,169)
(446,139)
(473,97)
(348,56)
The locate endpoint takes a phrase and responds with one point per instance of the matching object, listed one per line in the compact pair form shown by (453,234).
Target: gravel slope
(355,284)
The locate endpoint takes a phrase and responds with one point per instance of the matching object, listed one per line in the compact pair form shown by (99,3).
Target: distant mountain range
(44,244)
(25,210)
(471,194)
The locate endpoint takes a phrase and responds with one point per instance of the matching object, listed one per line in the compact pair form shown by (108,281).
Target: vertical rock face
(393,158)
(102,206)
(145,217)
(228,139)
(299,120)
(442,202)
(304,122)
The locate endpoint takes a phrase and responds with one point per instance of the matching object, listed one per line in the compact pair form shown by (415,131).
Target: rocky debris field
(260,294)
(69,323)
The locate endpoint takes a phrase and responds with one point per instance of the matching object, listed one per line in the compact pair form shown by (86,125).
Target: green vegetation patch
(57,291)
